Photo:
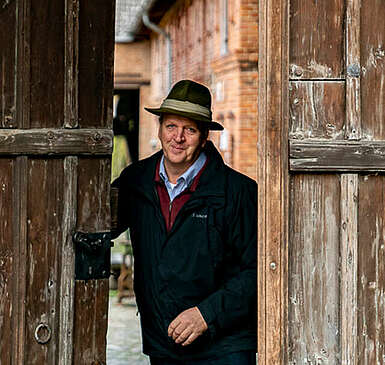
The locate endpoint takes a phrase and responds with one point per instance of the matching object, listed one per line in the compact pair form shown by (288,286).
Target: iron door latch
(92,255)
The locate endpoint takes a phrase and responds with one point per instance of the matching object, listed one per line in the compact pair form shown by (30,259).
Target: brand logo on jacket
(199,216)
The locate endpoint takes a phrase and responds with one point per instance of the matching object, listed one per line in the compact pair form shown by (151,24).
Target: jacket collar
(213,179)
(211,183)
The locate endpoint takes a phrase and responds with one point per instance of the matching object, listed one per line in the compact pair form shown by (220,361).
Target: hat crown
(187,90)
(191,100)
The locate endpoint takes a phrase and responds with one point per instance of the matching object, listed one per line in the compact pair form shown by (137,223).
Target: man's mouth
(178,148)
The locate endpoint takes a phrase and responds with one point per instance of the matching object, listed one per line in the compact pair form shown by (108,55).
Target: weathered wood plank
(373,69)
(56,142)
(23,71)
(114,193)
(273,181)
(47,63)
(353,70)
(93,211)
(67,279)
(349,261)
(317,109)
(91,298)
(262,186)
(371,271)
(44,249)
(19,217)
(7,257)
(8,63)
(96,55)
(90,325)
(71,56)
(316,39)
(337,156)
(314,270)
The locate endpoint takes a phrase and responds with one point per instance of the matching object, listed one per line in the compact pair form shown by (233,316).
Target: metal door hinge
(92,255)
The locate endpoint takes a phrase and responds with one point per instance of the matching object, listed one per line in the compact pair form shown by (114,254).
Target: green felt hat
(191,100)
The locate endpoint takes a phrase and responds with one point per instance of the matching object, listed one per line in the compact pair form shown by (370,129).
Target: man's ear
(204,137)
(203,143)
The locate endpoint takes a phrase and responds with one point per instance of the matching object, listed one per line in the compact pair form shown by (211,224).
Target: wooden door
(322,141)
(56,59)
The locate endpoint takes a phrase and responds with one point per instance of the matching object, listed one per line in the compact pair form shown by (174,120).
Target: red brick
(195,29)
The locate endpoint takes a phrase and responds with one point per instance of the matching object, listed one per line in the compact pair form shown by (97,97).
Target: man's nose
(179,135)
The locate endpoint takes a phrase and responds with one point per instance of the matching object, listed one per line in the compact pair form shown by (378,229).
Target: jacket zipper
(169,213)
(158,213)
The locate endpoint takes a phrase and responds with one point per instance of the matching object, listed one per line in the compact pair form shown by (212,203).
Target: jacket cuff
(209,316)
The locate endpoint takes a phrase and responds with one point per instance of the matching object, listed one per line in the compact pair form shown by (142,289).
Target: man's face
(181,141)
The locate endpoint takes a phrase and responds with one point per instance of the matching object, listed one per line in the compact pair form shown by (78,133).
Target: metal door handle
(42,333)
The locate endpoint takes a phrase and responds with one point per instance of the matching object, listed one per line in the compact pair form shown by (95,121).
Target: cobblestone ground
(124,346)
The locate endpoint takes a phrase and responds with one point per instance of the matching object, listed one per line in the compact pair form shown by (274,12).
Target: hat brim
(214,126)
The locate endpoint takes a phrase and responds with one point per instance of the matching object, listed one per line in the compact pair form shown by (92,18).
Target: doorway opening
(124,345)
(126,119)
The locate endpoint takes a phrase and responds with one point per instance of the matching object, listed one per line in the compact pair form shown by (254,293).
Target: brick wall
(197,32)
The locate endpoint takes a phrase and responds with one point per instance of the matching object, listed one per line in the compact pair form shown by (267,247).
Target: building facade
(212,42)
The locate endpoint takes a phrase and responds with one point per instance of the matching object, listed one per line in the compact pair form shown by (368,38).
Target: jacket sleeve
(235,301)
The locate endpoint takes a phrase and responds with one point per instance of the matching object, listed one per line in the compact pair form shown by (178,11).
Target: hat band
(186,106)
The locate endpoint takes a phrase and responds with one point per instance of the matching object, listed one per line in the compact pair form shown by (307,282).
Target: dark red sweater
(169,209)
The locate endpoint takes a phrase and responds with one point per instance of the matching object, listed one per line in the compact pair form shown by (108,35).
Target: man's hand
(187,327)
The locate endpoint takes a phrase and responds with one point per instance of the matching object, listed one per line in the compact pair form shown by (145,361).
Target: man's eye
(191,130)
(170,126)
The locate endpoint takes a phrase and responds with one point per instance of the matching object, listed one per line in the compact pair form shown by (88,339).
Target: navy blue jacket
(208,259)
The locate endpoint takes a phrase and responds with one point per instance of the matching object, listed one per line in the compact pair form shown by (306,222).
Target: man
(192,222)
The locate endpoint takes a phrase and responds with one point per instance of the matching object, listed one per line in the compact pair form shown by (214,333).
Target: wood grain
(337,156)
(273,181)
(261,153)
(93,210)
(46,85)
(91,298)
(67,279)
(337,127)
(371,270)
(96,61)
(19,218)
(71,60)
(23,71)
(90,322)
(114,195)
(8,64)
(317,110)
(373,69)
(349,260)
(353,70)
(7,258)
(43,261)
(39,95)
(316,39)
(314,270)
(56,142)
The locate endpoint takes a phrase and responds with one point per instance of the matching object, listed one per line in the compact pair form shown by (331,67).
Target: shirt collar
(189,174)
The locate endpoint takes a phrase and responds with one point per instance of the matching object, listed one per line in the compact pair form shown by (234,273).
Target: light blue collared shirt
(184,180)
